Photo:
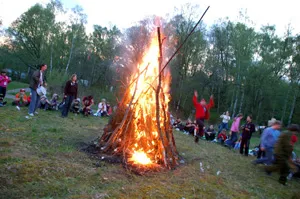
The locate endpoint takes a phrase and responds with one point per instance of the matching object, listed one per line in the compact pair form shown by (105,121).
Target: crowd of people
(37,99)
(275,150)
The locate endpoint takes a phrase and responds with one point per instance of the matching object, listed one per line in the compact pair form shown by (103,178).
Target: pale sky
(124,13)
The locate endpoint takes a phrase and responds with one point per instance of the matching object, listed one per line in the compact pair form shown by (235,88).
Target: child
(75,106)
(87,103)
(109,109)
(210,133)
(238,144)
(54,102)
(102,109)
(4,81)
(21,99)
(222,136)
(44,103)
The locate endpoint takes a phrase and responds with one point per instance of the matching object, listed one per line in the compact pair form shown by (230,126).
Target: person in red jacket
(202,113)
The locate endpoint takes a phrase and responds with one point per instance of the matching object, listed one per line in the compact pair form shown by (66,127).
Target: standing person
(235,128)
(4,81)
(225,120)
(248,129)
(37,79)
(283,153)
(70,93)
(202,113)
(267,143)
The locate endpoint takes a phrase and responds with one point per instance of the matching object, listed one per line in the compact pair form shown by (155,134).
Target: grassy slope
(14,85)
(39,159)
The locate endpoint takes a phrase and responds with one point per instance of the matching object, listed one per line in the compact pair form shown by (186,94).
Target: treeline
(248,71)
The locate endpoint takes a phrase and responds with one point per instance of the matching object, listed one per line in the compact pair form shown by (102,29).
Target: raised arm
(211,102)
(195,102)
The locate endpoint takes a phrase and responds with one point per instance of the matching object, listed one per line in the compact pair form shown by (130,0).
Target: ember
(142,121)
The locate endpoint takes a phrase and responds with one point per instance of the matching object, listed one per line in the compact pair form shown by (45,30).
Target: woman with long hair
(70,93)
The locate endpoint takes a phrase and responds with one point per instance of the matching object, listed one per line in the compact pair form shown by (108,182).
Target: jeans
(3,91)
(245,144)
(67,105)
(268,159)
(223,126)
(35,100)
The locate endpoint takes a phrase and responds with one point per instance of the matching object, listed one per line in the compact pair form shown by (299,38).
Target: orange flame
(146,148)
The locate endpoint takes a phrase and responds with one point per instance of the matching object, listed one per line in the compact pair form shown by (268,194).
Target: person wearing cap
(283,154)
(202,113)
(4,81)
(268,141)
(37,79)
(21,99)
(70,93)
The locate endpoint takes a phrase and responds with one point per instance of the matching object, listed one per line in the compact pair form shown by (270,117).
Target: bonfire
(140,132)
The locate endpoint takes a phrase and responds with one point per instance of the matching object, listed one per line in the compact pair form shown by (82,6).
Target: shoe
(36,112)
(18,108)
(31,114)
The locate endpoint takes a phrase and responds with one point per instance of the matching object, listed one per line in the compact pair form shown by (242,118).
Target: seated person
(238,143)
(54,102)
(222,136)
(87,104)
(108,108)
(75,106)
(210,133)
(102,109)
(21,99)
(189,127)
(177,122)
(44,103)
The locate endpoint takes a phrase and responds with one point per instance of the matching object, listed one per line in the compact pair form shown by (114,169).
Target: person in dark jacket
(283,154)
(70,94)
(248,129)
(37,79)
(202,113)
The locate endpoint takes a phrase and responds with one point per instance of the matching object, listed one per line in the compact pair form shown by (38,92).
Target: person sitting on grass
(222,136)
(177,122)
(21,99)
(238,143)
(54,102)
(87,103)
(109,109)
(75,106)
(44,103)
(102,109)
(189,127)
(210,133)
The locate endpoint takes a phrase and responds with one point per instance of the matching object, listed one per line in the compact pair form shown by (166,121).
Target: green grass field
(17,85)
(40,159)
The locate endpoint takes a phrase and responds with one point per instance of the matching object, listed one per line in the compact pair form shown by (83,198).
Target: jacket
(35,79)
(200,113)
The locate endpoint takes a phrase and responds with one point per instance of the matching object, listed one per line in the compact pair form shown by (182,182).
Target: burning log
(140,131)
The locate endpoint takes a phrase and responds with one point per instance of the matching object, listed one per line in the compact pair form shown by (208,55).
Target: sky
(124,13)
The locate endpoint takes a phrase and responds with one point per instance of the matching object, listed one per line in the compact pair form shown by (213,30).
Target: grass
(16,85)
(40,159)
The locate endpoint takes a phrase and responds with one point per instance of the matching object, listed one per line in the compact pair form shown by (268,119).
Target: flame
(147,148)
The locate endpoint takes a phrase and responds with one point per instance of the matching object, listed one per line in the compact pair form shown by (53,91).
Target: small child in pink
(4,80)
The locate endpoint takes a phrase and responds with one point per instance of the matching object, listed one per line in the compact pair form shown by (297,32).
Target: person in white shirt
(102,109)
(225,119)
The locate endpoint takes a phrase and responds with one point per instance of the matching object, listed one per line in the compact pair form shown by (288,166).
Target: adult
(282,154)
(267,143)
(21,99)
(248,129)
(4,81)
(70,93)
(37,79)
(202,113)
(225,119)
(234,130)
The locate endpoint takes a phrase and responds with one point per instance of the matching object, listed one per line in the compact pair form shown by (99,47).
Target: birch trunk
(293,107)
(285,105)
(70,56)
(51,59)
(242,101)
